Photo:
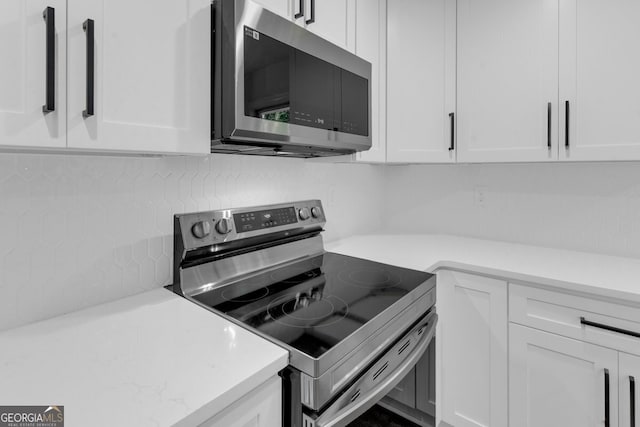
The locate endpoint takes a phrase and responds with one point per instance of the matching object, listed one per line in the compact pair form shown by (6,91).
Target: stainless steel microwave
(278,89)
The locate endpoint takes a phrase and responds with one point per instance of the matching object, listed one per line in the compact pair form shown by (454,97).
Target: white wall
(77,231)
(586,207)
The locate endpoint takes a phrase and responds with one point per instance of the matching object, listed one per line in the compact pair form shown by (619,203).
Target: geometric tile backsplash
(77,231)
(591,207)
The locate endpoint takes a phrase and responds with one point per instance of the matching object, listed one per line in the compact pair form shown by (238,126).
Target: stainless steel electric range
(353,327)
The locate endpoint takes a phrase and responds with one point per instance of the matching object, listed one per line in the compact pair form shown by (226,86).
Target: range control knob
(304,214)
(201,229)
(224,226)
(316,212)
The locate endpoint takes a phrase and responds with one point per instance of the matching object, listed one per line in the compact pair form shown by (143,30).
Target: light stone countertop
(601,275)
(153,359)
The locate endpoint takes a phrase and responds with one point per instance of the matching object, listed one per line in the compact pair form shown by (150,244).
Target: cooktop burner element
(374,278)
(335,296)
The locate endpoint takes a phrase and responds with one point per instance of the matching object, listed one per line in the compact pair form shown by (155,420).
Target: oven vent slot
(421,330)
(404,346)
(355,395)
(381,370)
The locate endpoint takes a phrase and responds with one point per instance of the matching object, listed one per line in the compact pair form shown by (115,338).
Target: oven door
(290,86)
(379,379)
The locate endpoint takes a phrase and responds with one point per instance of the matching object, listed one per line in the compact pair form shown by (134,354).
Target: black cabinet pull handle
(607,410)
(549,126)
(88,27)
(300,14)
(312,19)
(452,145)
(632,396)
(49,15)
(586,322)
(566,124)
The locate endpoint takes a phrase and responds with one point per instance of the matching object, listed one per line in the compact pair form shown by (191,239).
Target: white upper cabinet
(421,46)
(371,45)
(281,7)
(560,382)
(151,75)
(507,76)
(599,69)
(330,19)
(32,73)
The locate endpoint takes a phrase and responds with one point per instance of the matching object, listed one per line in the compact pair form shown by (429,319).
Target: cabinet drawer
(562,314)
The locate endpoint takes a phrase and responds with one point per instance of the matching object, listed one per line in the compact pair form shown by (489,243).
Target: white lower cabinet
(261,407)
(629,391)
(556,381)
(571,360)
(568,356)
(472,350)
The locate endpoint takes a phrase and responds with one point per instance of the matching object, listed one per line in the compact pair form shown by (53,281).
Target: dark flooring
(380,417)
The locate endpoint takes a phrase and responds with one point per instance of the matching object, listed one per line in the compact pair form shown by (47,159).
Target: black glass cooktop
(314,304)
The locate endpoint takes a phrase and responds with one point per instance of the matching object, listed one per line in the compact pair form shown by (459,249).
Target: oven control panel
(256,220)
(214,227)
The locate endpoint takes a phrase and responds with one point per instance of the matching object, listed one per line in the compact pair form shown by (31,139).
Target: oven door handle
(361,405)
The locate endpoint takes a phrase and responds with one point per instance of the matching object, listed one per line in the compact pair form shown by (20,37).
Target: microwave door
(268,66)
(354,104)
(314,91)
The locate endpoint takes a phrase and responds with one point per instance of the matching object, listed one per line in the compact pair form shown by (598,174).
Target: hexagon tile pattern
(77,231)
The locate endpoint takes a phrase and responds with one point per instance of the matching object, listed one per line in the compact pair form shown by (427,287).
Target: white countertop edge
(611,295)
(158,313)
(232,395)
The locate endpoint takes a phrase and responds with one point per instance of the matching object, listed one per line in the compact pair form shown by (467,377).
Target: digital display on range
(250,221)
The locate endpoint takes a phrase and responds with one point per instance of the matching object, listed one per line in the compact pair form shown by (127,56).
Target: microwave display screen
(283,84)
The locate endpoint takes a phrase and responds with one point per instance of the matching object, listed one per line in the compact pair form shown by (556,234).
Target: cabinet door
(24,72)
(629,390)
(281,7)
(152,76)
(332,20)
(559,382)
(260,408)
(371,44)
(507,76)
(473,312)
(599,69)
(421,46)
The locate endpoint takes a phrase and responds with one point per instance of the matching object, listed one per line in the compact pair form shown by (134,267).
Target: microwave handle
(357,408)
